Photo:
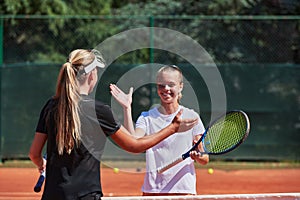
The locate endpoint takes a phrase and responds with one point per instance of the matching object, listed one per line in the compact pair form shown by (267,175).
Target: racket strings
(226,133)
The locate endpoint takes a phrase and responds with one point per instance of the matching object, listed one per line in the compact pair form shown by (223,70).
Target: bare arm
(138,145)
(35,152)
(125,101)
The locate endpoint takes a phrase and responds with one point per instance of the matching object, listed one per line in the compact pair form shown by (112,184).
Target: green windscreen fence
(258,58)
(268,93)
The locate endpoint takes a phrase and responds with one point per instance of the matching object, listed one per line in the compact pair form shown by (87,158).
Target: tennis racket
(223,135)
(39,183)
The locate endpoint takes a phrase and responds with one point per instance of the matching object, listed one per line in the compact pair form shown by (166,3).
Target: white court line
(285,196)
(289,196)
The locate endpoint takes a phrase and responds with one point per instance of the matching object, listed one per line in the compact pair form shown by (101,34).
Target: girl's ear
(181,87)
(90,77)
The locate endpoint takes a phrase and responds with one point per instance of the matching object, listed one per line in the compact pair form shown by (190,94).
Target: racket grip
(168,166)
(39,184)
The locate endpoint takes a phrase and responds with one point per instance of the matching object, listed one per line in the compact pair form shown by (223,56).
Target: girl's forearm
(128,123)
(139,145)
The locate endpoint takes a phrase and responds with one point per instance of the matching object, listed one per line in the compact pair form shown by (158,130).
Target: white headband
(93,65)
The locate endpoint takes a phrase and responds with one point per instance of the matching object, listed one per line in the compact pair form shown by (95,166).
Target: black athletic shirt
(78,174)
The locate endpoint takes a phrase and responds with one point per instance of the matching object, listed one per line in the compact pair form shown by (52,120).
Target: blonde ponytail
(68,96)
(67,118)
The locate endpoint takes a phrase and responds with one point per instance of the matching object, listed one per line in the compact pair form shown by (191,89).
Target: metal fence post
(1,63)
(151,55)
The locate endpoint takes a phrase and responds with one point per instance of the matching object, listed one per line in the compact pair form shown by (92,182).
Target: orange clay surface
(18,183)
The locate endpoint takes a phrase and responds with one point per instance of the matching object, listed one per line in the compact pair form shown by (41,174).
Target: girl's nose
(167,87)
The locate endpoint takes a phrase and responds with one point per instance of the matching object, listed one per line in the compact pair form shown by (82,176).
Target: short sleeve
(41,125)
(199,128)
(141,121)
(108,123)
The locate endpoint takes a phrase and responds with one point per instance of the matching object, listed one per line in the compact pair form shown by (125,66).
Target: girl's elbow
(33,155)
(30,155)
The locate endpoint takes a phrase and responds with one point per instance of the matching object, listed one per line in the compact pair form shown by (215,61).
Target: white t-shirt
(180,178)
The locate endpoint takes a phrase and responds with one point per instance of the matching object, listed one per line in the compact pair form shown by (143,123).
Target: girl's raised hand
(123,99)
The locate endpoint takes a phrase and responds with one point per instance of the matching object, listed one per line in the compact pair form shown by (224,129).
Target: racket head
(226,132)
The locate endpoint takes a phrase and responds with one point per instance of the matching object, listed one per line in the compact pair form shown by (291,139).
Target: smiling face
(169,85)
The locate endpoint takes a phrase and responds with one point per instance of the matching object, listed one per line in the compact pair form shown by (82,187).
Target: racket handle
(168,166)
(39,184)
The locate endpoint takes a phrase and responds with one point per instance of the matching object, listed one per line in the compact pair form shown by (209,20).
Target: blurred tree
(228,40)
(56,35)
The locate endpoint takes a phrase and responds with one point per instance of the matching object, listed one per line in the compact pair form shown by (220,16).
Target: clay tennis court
(17,183)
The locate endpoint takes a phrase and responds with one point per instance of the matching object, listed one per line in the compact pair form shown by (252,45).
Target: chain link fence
(258,58)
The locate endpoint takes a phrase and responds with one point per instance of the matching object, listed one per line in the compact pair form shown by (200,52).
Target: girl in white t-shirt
(181,178)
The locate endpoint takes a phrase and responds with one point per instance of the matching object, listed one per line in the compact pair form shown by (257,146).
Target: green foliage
(57,36)
(28,7)
(212,7)
(56,7)
(226,39)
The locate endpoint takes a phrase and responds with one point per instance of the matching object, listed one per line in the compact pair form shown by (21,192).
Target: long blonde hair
(68,95)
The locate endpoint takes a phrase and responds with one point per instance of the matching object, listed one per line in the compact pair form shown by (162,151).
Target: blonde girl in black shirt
(75,127)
